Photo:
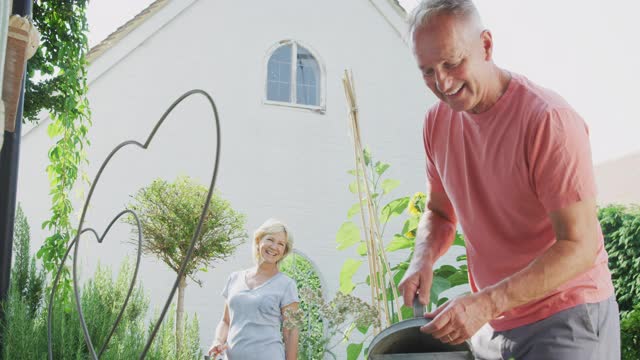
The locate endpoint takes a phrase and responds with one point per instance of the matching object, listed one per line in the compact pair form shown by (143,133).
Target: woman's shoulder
(287,279)
(239,274)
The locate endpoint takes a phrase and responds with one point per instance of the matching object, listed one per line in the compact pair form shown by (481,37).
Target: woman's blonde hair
(269,227)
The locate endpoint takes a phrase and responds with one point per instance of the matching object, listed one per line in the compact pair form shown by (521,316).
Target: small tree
(169,214)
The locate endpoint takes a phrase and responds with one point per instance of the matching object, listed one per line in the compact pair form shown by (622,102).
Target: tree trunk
(180,316)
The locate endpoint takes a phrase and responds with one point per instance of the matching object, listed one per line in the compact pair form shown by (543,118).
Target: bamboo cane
(379,270)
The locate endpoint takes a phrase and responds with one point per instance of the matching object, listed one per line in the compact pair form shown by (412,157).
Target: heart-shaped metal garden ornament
(99,238)
(75,243)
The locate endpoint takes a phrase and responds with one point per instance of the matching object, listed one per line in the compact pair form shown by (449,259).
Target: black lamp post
(9,157)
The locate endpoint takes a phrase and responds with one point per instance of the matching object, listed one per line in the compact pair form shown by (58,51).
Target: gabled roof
(157,5)
(125,29)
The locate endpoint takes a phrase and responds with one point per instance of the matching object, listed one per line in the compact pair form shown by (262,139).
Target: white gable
(276,161)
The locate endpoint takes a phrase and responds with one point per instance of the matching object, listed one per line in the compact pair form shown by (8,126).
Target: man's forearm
(560,263)
(434,236)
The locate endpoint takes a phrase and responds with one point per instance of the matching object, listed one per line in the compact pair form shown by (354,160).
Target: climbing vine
(57,83)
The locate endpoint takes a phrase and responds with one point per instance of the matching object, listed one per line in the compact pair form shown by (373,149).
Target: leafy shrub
(24,333)
(311,343)
(621,228)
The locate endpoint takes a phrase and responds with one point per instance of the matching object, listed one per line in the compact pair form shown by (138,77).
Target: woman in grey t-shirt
(256,300)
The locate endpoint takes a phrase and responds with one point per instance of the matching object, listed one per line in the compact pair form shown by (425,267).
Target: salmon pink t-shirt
(504,170)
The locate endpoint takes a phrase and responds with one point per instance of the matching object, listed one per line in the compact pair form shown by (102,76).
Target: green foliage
(311,340)
(164,345)
(411,207)
(27,282)
(621,228)
(169,214)
(57,82)
(26,333)
(343,314)
(630,334)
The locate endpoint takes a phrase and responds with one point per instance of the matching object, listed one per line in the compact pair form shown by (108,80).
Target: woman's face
(272,247)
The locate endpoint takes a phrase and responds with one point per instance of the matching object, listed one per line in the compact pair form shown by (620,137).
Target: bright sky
(586,50)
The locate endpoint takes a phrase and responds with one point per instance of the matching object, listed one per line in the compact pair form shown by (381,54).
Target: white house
(286,147)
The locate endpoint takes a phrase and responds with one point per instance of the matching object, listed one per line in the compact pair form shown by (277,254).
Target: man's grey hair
(427,9)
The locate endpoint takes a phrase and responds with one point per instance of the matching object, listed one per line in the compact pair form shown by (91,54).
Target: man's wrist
(497,300)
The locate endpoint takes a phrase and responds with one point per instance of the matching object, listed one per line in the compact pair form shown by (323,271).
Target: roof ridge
(125,29)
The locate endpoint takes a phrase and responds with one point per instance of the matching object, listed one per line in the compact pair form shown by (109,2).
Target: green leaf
(349,268)
(407,312)
(411,224)
(353,351)
(348,235)
(445,271)
(364,329)
(442,301)
(389,184)
(353,210)
(439,285)
(362,249)
(461,258)
(398,243)
(459,240)
(459,278)
(353,187)
(366,153)
(381,167)
(394,208)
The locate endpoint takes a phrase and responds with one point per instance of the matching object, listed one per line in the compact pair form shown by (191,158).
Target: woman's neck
(267,269)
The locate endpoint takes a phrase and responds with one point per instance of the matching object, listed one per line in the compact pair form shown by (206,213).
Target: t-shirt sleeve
(225,290)
(433,177)
(560,166)
(290,294)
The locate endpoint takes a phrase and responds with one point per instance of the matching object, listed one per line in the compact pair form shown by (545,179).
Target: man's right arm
(435,235)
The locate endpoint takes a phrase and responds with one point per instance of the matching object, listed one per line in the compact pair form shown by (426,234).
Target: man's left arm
(574,252)
(562,174)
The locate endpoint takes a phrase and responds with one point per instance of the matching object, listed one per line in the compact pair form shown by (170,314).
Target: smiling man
(511,162)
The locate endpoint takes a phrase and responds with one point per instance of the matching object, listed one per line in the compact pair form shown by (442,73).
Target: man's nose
(443,81)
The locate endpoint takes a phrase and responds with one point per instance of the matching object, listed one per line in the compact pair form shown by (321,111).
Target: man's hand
(417,280)
(459,319)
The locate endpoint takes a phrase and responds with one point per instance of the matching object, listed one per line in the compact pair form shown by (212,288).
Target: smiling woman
(257,302)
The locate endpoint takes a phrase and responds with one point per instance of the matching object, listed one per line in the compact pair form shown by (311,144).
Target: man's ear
(487,44)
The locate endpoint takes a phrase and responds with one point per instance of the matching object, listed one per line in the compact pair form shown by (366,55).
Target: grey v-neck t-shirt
(255,328)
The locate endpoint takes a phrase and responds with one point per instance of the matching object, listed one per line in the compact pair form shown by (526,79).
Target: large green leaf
(445,271)
(349,268)
(389,184)
(353,351)
(398,243)
(439,285)
(411,224)
(348,235)
(458,278)
(394,208)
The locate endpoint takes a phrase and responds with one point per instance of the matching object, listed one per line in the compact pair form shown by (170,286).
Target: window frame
(321,107)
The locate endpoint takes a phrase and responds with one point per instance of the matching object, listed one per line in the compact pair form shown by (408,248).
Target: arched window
(294,76)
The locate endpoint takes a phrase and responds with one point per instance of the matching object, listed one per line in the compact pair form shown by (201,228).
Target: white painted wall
(276,161)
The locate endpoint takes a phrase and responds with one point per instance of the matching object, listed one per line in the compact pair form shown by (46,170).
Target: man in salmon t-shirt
(511,162)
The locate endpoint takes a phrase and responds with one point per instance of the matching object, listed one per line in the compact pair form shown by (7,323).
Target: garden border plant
(445,276)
